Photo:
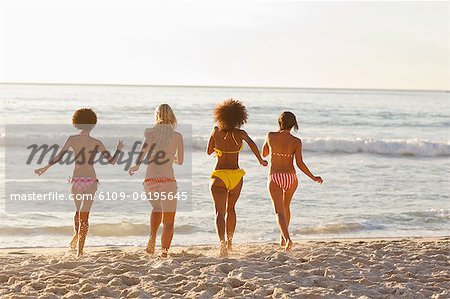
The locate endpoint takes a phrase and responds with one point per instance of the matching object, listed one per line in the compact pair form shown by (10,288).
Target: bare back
(282,148)
(85,152)
(173,150)
(230,143)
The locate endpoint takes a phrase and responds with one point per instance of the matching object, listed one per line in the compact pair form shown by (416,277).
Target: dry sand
(412,268)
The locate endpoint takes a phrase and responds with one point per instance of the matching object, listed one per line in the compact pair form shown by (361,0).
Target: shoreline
(376,268)
(296,241)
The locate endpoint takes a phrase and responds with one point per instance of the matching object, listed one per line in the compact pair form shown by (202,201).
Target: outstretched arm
(265,149)
(57,158)
(142,153)
(180,151)
(302,165)
(254,148)
(111,159)
(211,143)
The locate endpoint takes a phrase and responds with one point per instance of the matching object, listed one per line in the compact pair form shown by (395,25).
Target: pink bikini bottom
(81,184)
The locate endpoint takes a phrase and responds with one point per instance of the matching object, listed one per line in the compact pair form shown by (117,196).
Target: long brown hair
(287,121)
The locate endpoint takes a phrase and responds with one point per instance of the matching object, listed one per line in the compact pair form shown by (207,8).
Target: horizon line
(224,86)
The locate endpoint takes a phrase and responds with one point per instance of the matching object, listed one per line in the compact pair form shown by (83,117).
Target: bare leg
(288,194)
(84,226)
(287,201)
(88,200)
(169,208)
(155,221)
(167,234)
(76,226)
(76,220)
(233,196)
(276,194)
(219,194)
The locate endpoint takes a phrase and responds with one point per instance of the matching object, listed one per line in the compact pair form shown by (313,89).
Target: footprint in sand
(130,281)
(18,252)
(65,265)
(234,282)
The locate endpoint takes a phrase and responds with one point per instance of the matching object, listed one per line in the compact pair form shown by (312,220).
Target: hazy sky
(388,45)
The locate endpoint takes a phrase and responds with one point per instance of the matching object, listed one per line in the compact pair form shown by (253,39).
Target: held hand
(40,171)
(133,170)
(263,162)
(318,179)
(120,145)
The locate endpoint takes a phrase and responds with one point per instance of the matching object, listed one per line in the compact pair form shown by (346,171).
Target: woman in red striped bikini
(282,183)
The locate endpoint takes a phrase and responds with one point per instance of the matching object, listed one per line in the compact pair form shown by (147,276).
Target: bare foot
(80,253)
(230,245)
(150,249)
(164,253)
(289,245)
(74,242)
(282,241)
(223,249)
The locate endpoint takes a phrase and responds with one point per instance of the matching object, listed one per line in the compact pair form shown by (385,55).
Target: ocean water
(384,157)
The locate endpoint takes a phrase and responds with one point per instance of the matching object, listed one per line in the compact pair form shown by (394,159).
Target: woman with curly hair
(84,179)
(227,178)
(282,183)
(160,184)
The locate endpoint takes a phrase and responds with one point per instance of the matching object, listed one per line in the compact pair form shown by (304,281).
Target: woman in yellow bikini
(282,183)
(160,185)
(226,180)
(84,180)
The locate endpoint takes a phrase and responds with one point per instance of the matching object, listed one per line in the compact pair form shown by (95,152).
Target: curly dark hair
(230,114)
(84,118)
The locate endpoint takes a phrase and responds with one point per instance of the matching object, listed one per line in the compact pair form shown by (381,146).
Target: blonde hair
(165,123)
(164,115)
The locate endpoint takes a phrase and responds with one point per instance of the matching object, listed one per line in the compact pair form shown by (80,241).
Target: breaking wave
(410,147)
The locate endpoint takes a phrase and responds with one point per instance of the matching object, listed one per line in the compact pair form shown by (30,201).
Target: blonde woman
(160,184)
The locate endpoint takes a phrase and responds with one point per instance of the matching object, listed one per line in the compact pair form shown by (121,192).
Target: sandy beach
(374,268)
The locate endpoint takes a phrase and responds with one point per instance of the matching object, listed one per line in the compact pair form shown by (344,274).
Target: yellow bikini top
(219,152)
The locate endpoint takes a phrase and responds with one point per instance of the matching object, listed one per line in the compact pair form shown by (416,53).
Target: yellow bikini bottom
(230,177)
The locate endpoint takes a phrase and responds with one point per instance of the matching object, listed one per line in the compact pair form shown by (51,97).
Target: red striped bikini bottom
(155,183)
(283,180)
